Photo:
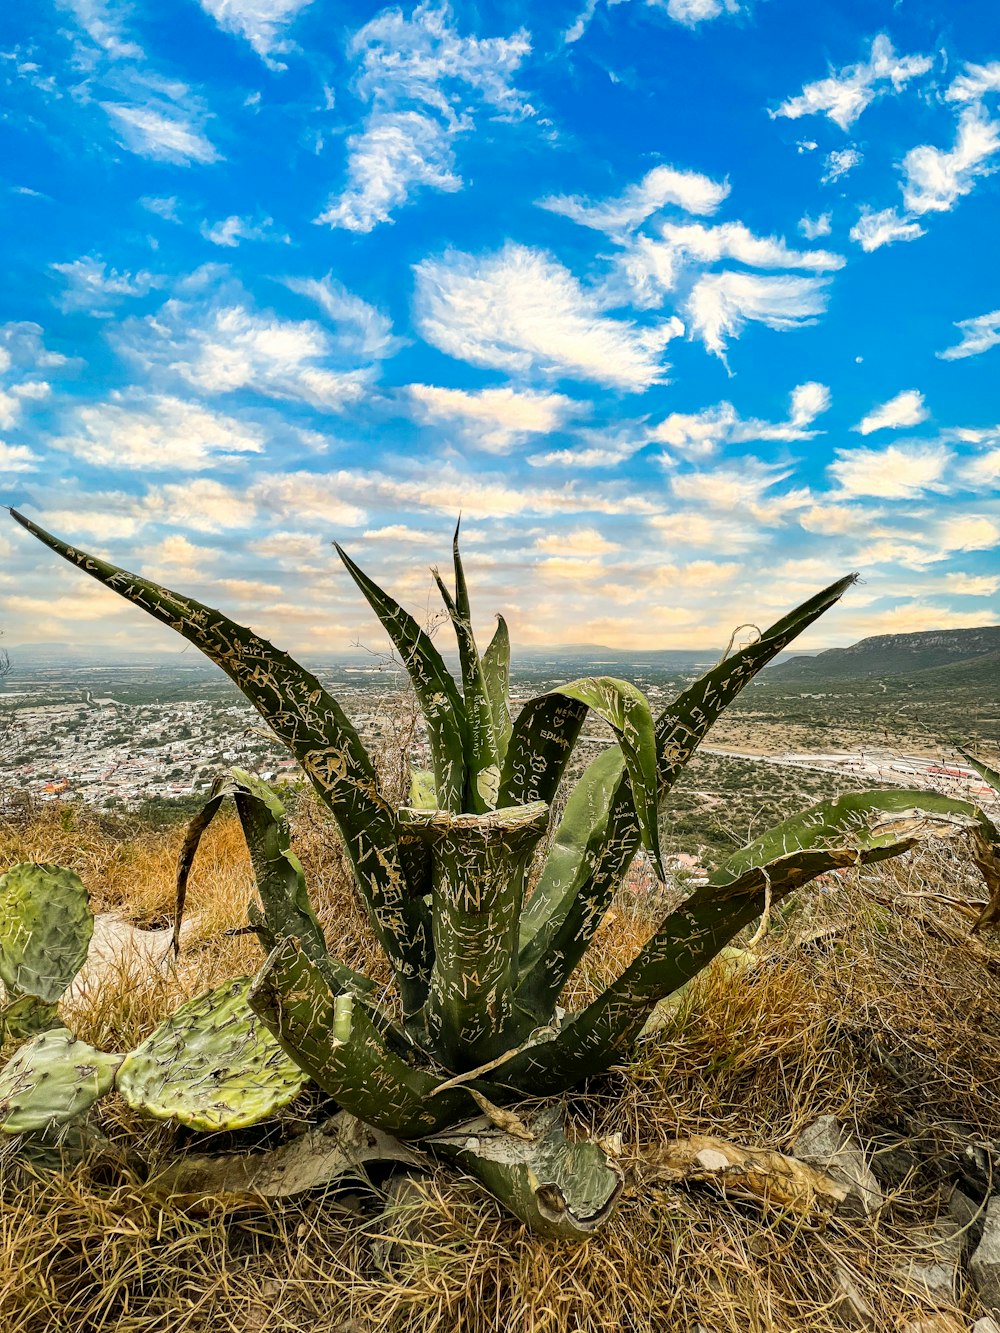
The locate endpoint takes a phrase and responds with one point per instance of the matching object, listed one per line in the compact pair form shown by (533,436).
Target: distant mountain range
(944,654)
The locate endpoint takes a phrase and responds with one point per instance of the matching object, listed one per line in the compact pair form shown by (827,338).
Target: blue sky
(689,306)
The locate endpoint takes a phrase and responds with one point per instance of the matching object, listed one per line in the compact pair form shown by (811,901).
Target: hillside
(899,655)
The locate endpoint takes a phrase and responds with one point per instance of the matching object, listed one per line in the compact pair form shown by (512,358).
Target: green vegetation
(479,964)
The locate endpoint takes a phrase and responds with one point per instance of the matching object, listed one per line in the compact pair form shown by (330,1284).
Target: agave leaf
(436,691)
(854,830)
(574,892)
(988,775)
(313,726)
(480,863)
(560,1187)
(540,746)
(332,1038)
(482,777)
(583,826)
(496,669)
(626,710)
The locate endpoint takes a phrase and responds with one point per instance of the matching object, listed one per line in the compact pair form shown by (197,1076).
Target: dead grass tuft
(865,1001)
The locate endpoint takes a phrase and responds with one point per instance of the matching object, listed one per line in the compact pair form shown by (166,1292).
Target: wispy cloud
(975,83)
(230,232)
(906,409)
(839,162)
(263,23)
(103,23)
(844,94)
(396,153)
(166,136)
(362,328)
(699,434)
(93,287)
(212,339)
(425,83)
(896,472)
(495,420)
(979,334)
(720,304)
(156,433)
(812,228)
(519,309)
(875,229)
(660,188)
(934,178)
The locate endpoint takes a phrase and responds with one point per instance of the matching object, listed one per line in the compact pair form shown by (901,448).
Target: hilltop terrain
(899,655)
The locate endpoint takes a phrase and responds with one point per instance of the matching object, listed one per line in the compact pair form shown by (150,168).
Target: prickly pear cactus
(212,1065)
(27,1017)
(45,929)
(52,1080)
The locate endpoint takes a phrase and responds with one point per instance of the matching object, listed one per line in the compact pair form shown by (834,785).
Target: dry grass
(891,1020)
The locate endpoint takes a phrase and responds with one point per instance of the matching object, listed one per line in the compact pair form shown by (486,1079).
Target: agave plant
(479,962)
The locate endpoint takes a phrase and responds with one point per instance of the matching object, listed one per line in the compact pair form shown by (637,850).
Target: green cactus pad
(45,929)
(52,1080)
(27,1017)
(212,1065)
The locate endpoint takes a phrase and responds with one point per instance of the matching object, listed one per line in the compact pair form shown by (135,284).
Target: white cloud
(234,229)
(741,488)
(263,23)
(972,585)
(720,304)
(935,179)
(362,328)
(93,287)
(494,419)
(660,188)
(693,12)
(424,83)
(906,409)
(103,25)
(394,154)
(811,228)
(22,356)
(519,309)
(894,473)
(732,240)
(596,448)
(975,83)
(699,434)
(221,344)
(164,137)
(202,504)
(967,532)
(979,334)
(17,458)
(843,95)
(577,542)
(839,163)
(164,206)
(873,230)
(156,433)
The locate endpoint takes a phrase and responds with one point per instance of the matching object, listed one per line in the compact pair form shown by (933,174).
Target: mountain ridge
(896,655)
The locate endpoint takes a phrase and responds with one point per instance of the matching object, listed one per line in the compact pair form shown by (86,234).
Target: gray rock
(828,1146)
(950,1240)
(984,1266)
(986,1325)
(847,1303)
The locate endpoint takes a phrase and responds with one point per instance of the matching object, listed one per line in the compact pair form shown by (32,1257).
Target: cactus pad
(27,1017)
(45,929)
(52,1080)
(212,1065)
